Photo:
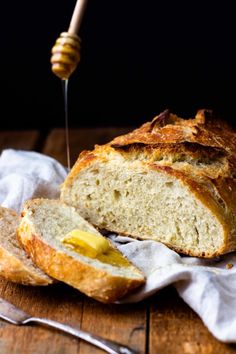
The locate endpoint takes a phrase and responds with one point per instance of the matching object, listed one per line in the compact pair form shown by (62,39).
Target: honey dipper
(66,51)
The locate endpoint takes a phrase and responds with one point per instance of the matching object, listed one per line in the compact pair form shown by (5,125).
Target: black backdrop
(138,58)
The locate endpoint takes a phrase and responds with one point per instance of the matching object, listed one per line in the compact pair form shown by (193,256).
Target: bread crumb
(229,265)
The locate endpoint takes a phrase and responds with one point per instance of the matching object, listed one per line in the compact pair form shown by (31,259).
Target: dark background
(138,58)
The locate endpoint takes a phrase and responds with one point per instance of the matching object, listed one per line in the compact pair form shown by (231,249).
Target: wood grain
(57,302)
(175,328)
(80,139)
(125,324)
(25,140)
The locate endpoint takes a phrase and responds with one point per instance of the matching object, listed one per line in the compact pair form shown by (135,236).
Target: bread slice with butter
(71,250)
(15,264)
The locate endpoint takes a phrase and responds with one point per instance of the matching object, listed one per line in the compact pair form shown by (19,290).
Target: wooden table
(163,324)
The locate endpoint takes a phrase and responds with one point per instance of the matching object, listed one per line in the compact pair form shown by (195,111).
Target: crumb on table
(229,265)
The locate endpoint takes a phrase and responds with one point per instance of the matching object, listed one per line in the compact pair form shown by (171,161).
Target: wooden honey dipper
(66,51)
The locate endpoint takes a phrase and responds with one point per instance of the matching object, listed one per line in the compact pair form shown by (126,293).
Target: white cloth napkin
(25,175)
(207,286)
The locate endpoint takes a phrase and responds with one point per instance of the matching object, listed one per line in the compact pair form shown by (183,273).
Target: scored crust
(205,129)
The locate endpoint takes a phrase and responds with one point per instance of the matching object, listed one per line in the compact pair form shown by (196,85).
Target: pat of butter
(78,239)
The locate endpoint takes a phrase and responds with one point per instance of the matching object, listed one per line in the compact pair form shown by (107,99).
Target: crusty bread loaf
(172,180)
(44,224)
(15,264)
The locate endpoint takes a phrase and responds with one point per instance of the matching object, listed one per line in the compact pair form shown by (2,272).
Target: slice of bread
(172,180)
(15,264)
(44,224)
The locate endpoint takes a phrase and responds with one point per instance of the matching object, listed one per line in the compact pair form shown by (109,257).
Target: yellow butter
(94,244)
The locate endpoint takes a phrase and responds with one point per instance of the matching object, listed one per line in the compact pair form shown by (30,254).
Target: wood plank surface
(57,302)
(125,324)
(175,328)
(25,140)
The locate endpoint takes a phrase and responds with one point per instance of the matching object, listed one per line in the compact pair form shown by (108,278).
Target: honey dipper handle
(77,16)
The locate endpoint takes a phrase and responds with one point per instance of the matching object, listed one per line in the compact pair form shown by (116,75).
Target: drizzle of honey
(65,96)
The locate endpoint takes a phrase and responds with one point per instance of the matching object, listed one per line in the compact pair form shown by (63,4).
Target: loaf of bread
(15,265)
(172,180)
(42,232)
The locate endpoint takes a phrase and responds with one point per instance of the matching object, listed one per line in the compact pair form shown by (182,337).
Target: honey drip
(65,95)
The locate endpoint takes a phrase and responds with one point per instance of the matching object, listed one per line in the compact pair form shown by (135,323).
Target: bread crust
(13,269)
(205,129)
(200,152)
(96,283)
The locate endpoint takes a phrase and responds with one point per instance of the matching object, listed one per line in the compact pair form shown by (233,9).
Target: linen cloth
(207,286)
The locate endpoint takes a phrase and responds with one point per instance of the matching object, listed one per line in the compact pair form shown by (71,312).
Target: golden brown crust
(200,152)
(13,270)
(96,283)
(167,128)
